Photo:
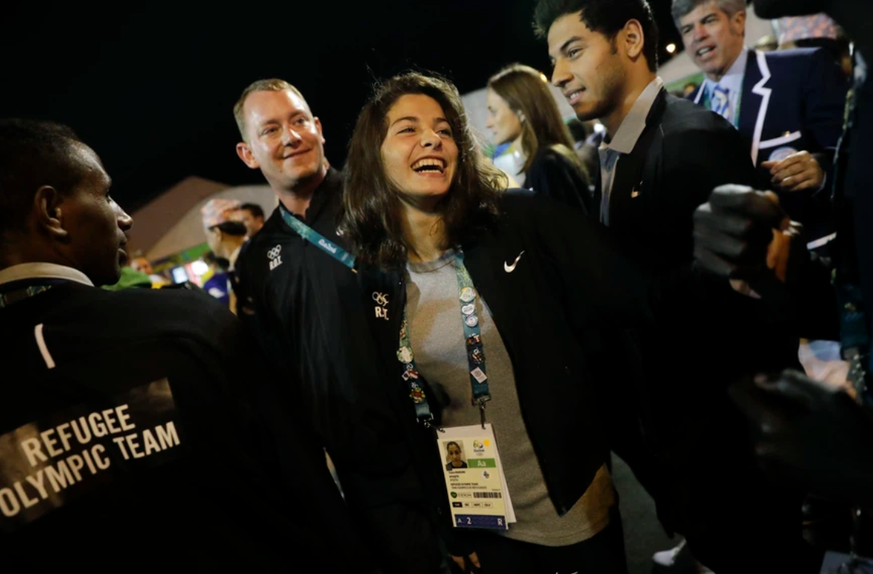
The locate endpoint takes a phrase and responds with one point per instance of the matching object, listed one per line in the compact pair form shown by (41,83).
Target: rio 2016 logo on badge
(478,447)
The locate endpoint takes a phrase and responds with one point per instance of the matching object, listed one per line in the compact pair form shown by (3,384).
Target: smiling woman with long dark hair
(459,272)
(374,207)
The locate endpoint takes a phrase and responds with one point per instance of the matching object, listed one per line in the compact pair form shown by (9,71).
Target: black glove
(810,434)
(734,229)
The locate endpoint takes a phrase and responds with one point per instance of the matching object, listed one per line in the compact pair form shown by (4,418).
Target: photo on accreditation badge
(455,457)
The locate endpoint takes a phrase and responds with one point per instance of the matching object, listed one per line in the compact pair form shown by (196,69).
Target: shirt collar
(329,190)
(733,79)
(634,123)
(235,255)
(333,180)
(43,271)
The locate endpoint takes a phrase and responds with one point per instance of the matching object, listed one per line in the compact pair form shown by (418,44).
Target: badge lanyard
(318,239)
(467,296)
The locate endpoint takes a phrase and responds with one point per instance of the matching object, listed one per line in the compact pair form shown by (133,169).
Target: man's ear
(320,129)
(49,211)
(738,22)
(245,153)
(634,39)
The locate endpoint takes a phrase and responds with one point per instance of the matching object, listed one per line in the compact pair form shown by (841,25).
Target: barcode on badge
(487,495)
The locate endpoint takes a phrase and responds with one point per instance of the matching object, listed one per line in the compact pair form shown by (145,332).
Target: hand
(733,232)
(796,172)
(809,434)
(459,560)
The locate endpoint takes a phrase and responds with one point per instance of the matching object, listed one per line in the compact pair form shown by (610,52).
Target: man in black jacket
(660,160)
(124,428)
(298,296)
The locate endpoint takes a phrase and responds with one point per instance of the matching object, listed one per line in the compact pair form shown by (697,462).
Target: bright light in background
(671,48)
(544,78)
(200,268)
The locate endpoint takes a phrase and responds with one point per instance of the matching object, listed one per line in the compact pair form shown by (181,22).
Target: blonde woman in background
(522,110)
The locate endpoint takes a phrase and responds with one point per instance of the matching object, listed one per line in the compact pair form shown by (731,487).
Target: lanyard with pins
(318,240)
(473,341)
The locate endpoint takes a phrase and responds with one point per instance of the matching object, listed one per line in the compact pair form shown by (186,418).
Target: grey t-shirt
(436,332)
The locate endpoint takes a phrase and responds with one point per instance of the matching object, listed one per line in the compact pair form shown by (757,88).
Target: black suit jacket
(553,175)
(797,97)
(683,153)
(700,344)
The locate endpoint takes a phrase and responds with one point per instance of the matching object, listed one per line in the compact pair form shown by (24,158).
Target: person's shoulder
(273,229)
(519,200)
(551,156)
(524,209)
(256,251)
(685,121)
(793,67)
(683,114)
(184,309)
(334,180)
(546,160)
(560,159)
(131,315)
(692,97)
(794,57)
(548,153)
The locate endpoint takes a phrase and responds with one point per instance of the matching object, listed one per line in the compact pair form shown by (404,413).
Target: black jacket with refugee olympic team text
(304,308)
(127,440)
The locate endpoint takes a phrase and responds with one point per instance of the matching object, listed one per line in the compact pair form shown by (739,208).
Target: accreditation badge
(477,490)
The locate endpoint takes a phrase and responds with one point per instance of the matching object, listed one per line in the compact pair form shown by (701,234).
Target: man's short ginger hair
(270,85)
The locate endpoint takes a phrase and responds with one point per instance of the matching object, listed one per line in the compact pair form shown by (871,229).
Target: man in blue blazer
(788,106)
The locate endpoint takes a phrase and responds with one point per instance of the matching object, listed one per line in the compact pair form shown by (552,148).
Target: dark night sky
(152,88)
